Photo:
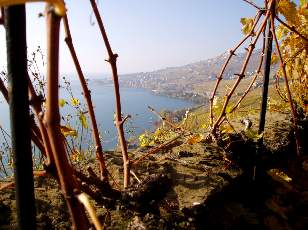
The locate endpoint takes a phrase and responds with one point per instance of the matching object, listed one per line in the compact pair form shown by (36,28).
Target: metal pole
(15,24)
(266,75)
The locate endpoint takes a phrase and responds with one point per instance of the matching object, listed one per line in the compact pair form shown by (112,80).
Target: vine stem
(155,150)
(241,75)
(67,180)
(252,4)
(171,124)
(4,91)
(84,199)
(118,118)
(277,87)
(293,110)
(36,104)
(35,133)
(87,95)
(232,53)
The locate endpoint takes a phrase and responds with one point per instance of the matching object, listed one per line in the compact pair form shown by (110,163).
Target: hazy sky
(147,34)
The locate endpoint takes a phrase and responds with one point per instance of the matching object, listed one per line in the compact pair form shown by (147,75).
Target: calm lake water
(134,102)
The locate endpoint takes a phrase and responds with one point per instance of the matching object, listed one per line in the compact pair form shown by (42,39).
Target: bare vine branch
(232,53)
(84,199)
(165,119)
(87,96)
(292,107)
(36,104)
(241,75)
(258,70)
(155,150)
(277,87)
(118,119)
(252,4)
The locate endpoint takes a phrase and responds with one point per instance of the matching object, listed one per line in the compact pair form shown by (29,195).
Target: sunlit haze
(147,35)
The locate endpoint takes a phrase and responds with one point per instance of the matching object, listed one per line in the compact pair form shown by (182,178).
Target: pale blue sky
(147,34)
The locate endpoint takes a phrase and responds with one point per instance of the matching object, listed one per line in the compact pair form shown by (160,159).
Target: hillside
(190,81)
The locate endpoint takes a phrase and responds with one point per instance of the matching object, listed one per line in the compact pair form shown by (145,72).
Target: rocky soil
(193,187)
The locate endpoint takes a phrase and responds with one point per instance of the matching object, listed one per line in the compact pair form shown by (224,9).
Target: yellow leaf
(68,131)
(280,174)
(194,139)
(247,25)
(83,120)
(288,10)
(281,31)
(216,102)
(227,129)
(75,101)
(62,102)
(274,59)
(229,109)
(158,132)
(144,140)
(76,155)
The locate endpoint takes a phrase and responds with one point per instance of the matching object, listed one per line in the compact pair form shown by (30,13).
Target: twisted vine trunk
(67,180)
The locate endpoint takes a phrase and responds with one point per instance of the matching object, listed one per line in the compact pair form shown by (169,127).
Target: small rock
(182,154)
(136,224)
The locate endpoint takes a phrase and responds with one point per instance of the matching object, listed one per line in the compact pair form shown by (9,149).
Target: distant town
(185,81)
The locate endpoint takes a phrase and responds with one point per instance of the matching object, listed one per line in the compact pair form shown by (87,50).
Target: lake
(134,103)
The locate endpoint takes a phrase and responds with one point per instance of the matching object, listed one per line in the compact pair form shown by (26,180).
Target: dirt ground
(194,188)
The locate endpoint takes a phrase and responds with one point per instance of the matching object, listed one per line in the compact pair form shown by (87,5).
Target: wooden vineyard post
(266,75)
(15,24)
